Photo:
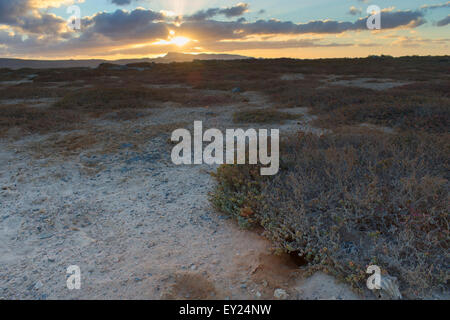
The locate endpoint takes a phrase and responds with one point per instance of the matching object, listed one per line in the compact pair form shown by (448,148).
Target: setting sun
(180,41)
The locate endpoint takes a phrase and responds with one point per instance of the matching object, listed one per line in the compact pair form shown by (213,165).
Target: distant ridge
(93,63)
(183,57)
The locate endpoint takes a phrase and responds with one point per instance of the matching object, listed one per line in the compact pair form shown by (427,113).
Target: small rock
(236,90)
(280,294)
(258,294)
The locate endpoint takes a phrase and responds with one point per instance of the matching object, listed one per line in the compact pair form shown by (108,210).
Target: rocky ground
(138,226)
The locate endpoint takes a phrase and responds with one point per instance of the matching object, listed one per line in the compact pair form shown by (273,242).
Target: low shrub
(30,91)
(263,116)
(114,98)
(348,200)
(35,120)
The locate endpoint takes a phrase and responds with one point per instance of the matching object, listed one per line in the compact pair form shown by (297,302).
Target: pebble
(280,294)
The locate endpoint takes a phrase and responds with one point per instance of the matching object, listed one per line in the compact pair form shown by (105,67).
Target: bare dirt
(367,83)
(138,226)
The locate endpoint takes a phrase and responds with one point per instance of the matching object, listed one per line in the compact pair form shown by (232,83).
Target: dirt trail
(138,226)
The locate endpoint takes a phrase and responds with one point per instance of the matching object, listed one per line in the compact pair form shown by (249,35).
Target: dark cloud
(443,22)
(22,15)
(138,24)
(235,11)
(10,10)
(287,27)
(122,2)
(389,20)
(43,24)
(395,19)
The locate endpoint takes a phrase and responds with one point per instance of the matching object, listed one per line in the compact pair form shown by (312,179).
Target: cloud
(395,19)
(407,41)
(121,2)
(52,3)
(24,15)
(443,22)
(43,24)
(230,12)
(354,11)
(390,20)
(120,31)
(139,23)
(235,11)
(436,6)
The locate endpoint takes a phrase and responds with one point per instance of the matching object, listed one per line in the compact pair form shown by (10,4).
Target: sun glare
(180,41)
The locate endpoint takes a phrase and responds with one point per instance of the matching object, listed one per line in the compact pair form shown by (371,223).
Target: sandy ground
(138,226)
(366,83)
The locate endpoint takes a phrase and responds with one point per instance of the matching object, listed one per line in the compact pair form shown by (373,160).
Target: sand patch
(367,83)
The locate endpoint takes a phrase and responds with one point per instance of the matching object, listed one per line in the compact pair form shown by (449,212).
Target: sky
(118,29)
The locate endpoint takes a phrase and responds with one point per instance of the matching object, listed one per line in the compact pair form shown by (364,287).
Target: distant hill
(168,58)
(183,57)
